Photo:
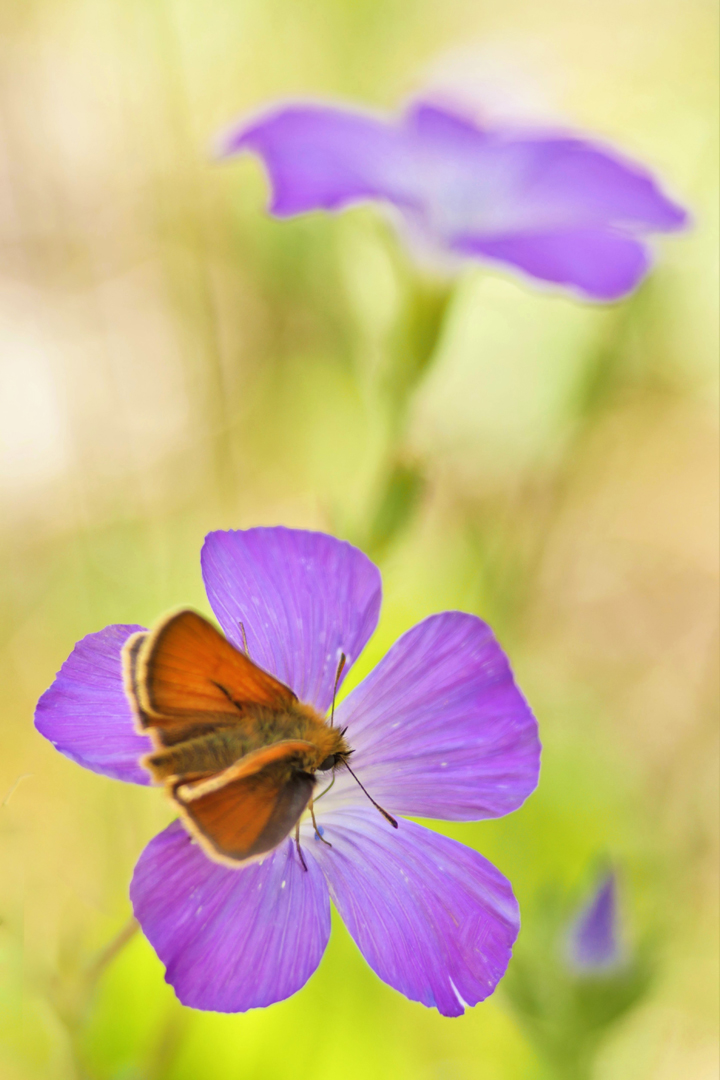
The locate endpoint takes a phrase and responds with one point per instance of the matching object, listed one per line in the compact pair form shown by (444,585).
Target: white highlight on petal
(458,995)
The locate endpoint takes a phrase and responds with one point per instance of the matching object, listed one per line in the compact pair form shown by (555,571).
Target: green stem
(399,483)
(72,997)
(106,956)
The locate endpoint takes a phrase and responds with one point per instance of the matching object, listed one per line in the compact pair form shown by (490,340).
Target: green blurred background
(173,361)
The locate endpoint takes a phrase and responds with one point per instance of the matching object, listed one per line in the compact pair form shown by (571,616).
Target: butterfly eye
(327,763)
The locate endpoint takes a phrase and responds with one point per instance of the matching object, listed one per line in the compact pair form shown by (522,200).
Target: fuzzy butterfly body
(236,750)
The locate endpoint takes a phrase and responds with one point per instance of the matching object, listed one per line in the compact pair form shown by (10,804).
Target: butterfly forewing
(188,666)
(251,806)
(185,677)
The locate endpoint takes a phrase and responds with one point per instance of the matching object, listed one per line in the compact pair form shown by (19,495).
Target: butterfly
(236,750)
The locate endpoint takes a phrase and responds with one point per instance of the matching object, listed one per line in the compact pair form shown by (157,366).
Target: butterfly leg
(299,849)
(315,826)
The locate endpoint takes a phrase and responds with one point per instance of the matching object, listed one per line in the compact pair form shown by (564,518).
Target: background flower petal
(433,918)
(439,728)
(569,181)
(230,939)
(303,597)
(321,158)
(511,183)
(85,713)
(600,264)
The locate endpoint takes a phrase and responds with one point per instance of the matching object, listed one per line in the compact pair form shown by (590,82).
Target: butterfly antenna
(338,673)
(377,806)
(244,637)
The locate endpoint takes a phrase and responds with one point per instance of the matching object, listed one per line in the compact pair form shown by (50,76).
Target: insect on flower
(274,820)
(556,207)
(236,749)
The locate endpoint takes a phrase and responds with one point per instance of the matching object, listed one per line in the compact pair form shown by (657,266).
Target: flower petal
(439,728)
(505,182)
(601,265)
(85,713)
(303,598)
(575,183)
(433,918)
(582,184)
(322,157)
(230,939)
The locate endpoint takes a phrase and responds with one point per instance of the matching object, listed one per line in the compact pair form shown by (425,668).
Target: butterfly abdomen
(216,750)
(203,755)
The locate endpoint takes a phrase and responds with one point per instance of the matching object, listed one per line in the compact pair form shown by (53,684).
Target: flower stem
(106,956)
(71,995)
(399,480)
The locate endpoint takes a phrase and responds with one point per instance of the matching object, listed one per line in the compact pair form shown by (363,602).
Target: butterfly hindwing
(251,806)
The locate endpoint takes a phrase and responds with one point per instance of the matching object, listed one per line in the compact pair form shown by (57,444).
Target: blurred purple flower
(558,208)
(594,945)
(439,729)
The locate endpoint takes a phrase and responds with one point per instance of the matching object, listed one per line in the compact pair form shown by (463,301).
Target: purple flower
(593,945)
(558,208)
(438,729)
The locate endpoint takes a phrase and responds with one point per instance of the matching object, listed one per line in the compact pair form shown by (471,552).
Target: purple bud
(593,945)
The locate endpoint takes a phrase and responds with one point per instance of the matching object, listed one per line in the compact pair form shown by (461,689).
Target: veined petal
(439,728)
(230,939)
(303,598)
(321,157)
(602,265)
(85,713)
(432,918)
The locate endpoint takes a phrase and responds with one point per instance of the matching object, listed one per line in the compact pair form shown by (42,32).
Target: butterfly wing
(185,678)
(250,807)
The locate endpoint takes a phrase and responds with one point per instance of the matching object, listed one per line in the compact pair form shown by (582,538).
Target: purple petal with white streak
(439,727)
(230,939)
(432,918)
(86,715)
(303,598)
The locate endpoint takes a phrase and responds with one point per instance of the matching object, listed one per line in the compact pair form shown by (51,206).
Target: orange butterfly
(236,750)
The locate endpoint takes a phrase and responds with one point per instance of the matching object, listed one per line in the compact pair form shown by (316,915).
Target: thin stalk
(400,482)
